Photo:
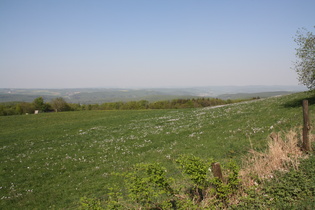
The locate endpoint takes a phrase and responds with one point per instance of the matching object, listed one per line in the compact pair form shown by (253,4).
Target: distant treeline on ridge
(59,105)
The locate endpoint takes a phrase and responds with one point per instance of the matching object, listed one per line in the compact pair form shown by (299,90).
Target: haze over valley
(102,95)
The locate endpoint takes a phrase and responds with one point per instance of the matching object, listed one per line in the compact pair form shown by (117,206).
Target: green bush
(148,187)
(224,189)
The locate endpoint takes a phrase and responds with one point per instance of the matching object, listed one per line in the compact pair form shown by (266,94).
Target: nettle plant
(197,170)
(148,186)
(225,188)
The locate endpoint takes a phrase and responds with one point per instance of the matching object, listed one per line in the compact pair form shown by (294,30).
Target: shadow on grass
(298,102)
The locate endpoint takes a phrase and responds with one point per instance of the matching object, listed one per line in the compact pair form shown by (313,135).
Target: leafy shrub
(148,186)
(90,203)
(196,168)
(223,190)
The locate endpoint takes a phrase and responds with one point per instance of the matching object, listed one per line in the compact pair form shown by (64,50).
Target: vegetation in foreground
(51,160)
(280,177)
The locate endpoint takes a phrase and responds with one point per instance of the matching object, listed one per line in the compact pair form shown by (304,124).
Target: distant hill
(92,96)
(102,95)
(21,97)
(253,95)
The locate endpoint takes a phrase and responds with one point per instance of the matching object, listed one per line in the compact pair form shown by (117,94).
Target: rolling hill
(103,95)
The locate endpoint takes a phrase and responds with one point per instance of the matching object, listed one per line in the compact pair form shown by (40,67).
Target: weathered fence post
(216,169)
(306,127)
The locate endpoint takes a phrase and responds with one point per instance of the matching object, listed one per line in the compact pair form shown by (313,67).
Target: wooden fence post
(217,172)
(306,127)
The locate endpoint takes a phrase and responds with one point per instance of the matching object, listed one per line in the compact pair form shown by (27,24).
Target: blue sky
(149,43)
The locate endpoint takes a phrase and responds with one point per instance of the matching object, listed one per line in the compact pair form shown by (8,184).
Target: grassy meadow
(51,160)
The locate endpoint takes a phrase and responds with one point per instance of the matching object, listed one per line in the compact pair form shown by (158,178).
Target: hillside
(51,160)
(253,95)
(103,95)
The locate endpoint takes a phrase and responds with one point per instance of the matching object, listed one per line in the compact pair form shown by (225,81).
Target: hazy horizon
(154,44)
(282,87)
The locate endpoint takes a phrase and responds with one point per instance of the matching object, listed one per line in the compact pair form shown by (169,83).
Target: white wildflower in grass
(96,143)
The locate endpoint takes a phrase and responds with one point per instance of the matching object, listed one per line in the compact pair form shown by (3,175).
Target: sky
(150,43)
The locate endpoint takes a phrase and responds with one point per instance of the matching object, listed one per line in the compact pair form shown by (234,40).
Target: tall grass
(283,153)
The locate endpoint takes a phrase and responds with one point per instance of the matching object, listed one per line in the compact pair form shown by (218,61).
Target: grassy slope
(51,160)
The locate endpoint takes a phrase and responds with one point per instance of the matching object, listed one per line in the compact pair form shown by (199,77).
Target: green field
(51,160)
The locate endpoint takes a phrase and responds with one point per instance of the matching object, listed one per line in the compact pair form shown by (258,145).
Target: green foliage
(114,199)
(287,190)
(224,189)
(16,108)
(196,168)
(59,105)
(90,204)
(39,104)
(305,65)
(233,181)
(148,186)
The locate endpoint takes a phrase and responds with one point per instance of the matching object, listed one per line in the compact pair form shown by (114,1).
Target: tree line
(60,105)
(16,108)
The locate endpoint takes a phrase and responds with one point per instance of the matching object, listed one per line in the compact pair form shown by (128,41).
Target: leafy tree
(40,105)
(75,107)
(305,65)
(143,104)
(1,110)
(18,109)
(25,107)
(59,105)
